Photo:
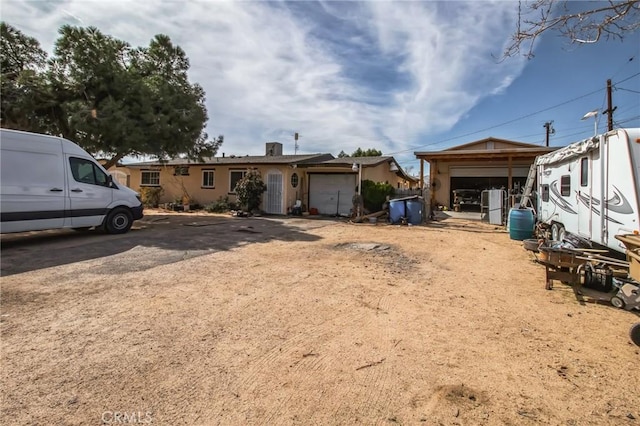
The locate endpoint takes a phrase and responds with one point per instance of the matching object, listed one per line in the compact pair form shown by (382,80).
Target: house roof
(492,139)
(467,151)
(347,162)
(239,160)
(310,160)
(365,161)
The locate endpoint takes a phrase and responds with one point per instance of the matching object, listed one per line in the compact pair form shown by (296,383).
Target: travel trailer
(47,182)
(590,188)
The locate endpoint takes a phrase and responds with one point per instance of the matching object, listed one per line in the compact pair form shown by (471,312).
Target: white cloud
(267,74)
(448,55)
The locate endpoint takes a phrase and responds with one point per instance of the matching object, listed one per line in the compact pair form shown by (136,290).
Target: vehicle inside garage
(466,191)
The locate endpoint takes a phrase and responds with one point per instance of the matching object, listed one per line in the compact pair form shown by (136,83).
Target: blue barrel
(396,211)
(521,222)
(414,211)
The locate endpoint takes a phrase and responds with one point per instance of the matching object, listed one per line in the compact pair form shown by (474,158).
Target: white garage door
(331,193)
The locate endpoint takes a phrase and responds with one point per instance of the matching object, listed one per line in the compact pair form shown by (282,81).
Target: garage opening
(469,190)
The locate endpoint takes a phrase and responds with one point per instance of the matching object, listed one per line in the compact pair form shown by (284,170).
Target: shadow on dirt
(154,241)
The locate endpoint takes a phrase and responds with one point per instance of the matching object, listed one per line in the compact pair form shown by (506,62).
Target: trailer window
(584,172)
(565,186)
(544,192)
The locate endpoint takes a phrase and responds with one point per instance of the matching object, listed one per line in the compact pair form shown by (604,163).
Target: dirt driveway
(215,320)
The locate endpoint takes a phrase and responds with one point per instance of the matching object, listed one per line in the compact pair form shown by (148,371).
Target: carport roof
(462,152)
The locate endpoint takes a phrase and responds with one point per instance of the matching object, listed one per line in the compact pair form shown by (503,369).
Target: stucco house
(484,164)
(319,181)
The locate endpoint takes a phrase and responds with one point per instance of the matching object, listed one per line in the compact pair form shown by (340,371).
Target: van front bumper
(137,212)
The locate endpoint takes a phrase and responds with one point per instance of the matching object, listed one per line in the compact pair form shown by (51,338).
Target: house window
(584,172)
(150,178)
(294,180)
(87,171)
(208,179)
(181,171)
(234,178)
(565,185)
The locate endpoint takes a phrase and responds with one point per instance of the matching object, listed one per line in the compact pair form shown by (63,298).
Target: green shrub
(375,194)
(249,190)
(221,205)
(150,195)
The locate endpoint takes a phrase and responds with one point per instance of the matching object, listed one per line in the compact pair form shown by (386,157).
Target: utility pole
(610,107)
(550,131)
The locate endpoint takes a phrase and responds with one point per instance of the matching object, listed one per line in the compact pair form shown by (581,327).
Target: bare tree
(608,20)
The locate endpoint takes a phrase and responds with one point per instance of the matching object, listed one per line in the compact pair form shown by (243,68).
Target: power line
(627,90)
(626,120)
(628,78)
(511,121)
(623,66)
(501,124)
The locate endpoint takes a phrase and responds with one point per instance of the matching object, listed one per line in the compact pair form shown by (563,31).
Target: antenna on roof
(295,143)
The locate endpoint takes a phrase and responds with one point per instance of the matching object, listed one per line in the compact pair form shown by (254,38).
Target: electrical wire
(627,90)
(512,120)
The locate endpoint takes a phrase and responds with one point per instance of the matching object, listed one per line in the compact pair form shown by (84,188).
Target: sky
(396,76)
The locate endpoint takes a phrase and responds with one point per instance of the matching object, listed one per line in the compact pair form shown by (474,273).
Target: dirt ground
(324,323)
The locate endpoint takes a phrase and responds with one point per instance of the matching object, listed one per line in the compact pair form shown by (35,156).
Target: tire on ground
(118,221)
(634,333)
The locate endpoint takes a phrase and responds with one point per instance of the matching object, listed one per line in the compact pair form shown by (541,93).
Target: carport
(489,163)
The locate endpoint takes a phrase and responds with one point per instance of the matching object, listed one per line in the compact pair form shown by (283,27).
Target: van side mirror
(110,181)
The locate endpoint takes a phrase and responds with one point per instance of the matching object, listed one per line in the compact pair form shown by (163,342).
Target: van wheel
(118,221)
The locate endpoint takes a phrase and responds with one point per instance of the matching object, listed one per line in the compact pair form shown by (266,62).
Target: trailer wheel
(617,302)
(118,221)
(557,232)
(634,333)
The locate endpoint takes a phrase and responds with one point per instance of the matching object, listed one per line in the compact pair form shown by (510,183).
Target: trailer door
(585,196)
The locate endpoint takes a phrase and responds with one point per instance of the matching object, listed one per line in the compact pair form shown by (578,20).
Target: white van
(49,182)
